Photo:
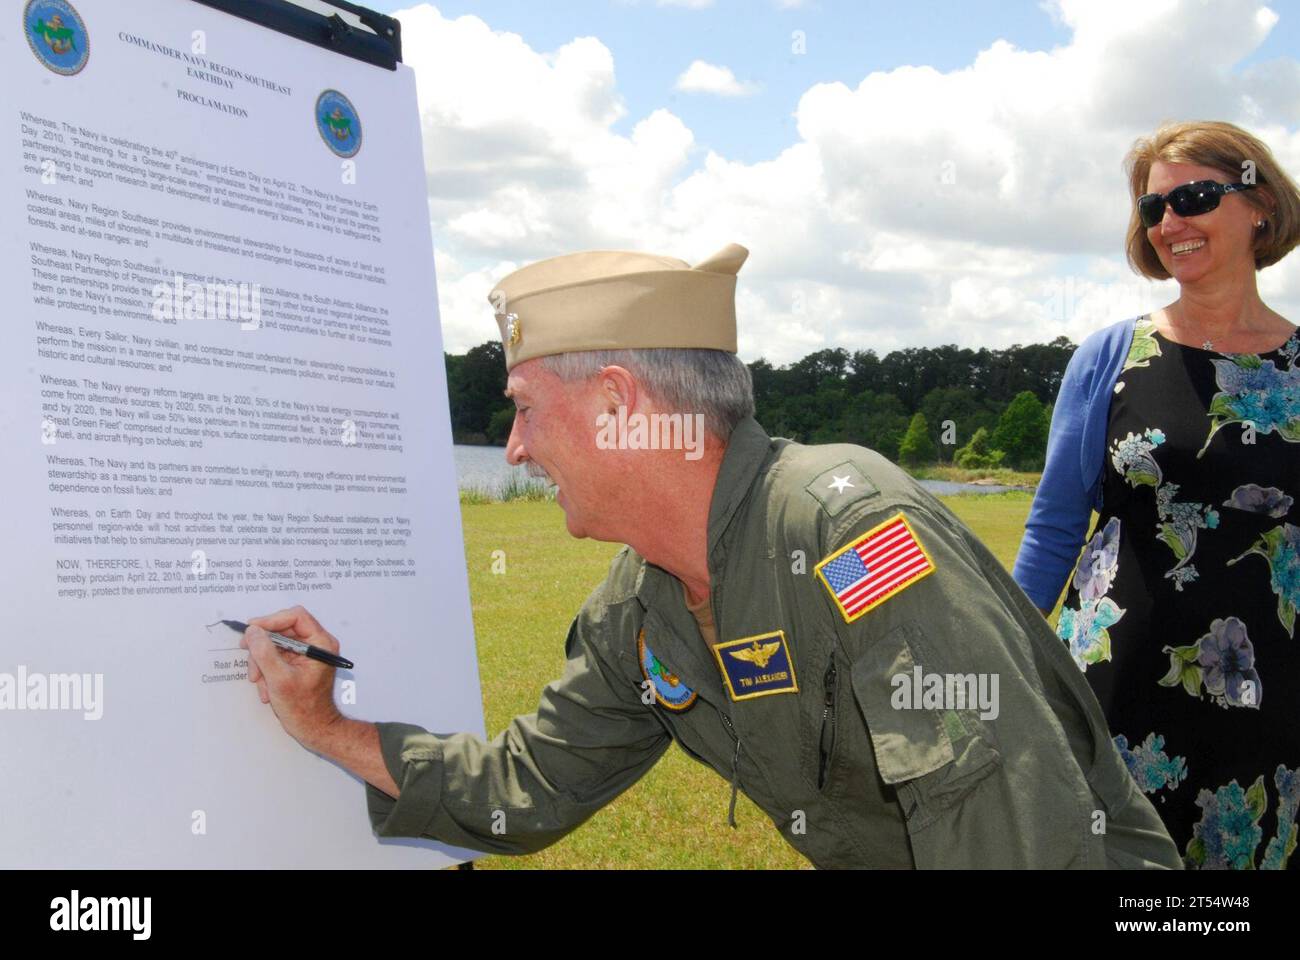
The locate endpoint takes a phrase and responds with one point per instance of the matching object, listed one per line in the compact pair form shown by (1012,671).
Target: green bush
(518,487)
(979,453)
(1022,432)
(498,428)
(475,495)
(917,447)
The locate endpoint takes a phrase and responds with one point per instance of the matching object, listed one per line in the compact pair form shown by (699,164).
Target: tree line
(923,405)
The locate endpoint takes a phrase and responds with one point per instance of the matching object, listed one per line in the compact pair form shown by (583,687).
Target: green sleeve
(590,739)
(946,619)
(1009,731)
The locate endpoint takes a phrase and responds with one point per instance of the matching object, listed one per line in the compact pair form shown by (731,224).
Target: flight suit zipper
(735,770)
(735,756)
(828,725)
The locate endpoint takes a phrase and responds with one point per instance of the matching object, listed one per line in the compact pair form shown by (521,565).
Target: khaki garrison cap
(610,300)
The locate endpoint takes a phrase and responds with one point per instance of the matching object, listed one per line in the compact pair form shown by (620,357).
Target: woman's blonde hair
(1237,155)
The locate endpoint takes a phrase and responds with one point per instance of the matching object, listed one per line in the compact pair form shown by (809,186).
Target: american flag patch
(874,567)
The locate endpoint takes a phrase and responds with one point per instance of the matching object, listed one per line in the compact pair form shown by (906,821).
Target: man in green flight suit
(806,620)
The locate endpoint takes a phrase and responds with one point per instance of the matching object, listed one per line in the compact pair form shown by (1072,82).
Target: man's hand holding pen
(299,689)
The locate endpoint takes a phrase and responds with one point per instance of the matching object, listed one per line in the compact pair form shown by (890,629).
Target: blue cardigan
(1076,452)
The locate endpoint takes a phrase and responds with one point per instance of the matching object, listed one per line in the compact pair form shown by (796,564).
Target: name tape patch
(756,666)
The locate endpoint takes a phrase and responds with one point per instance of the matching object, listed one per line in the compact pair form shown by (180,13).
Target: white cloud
(467,318)
(983,206)
(702,77)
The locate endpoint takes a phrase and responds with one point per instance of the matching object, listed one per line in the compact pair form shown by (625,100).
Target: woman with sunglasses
(1182,429)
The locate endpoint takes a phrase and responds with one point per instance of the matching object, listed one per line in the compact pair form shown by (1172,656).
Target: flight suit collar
(661,593)
(747,449)
(673,626)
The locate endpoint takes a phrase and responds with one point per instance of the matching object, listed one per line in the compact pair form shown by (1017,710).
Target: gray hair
(680,380)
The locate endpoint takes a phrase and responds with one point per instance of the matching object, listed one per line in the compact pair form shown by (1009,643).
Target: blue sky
(925,172)
(845,41)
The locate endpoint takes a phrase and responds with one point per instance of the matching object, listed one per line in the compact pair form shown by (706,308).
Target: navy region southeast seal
(338,123)
(57,35)
(669,690)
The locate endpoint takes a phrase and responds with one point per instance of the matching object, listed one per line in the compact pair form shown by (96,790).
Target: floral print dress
(1182,609)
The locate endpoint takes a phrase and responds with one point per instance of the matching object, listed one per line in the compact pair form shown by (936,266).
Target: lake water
(485,468)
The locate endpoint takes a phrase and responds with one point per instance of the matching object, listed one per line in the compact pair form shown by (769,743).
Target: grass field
(676,816)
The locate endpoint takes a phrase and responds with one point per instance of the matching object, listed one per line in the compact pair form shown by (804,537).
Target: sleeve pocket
(908,743)
(932,754)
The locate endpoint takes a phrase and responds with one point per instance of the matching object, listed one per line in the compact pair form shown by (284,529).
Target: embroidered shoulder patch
(669,689)
(882,562)
(756,666)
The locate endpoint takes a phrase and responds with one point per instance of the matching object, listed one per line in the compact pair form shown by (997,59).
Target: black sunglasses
(1189,200)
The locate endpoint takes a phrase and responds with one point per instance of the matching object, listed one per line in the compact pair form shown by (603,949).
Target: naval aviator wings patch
(882,562)
(756,666)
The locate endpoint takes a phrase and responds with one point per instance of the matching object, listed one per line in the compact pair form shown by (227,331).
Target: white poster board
(171,462)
